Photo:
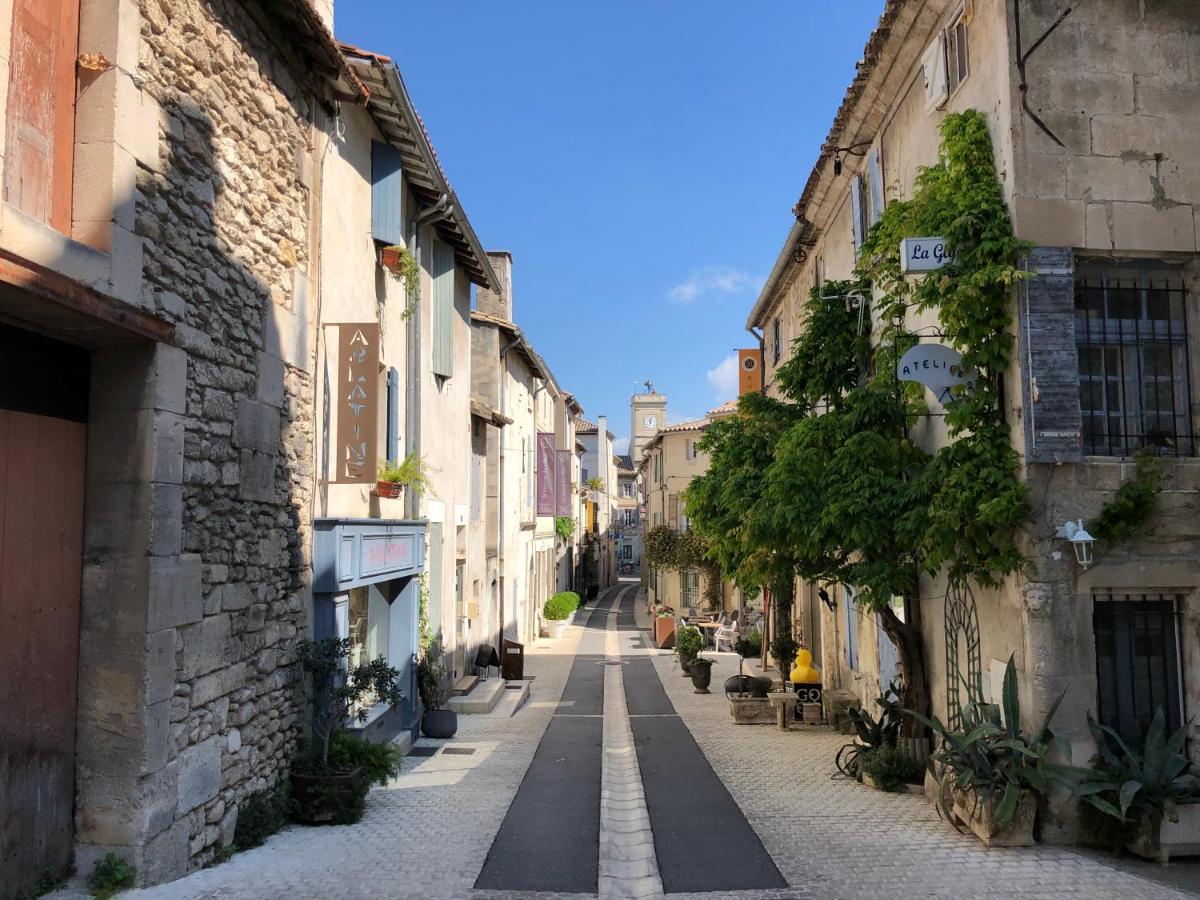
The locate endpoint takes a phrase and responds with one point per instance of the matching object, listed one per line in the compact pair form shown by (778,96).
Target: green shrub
(573,597)
(379,762)
(260,816)
(110,876)
(559,607)
(688,640)
(750,645)
(760,687)
(890,768)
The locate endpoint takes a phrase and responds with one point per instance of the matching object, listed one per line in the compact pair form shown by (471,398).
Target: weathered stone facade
(226,219)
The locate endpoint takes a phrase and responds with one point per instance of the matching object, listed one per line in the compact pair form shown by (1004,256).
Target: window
(391,449)
(819,274)
(690,589)
(690,449)
(478,455)
(956,51)
(858,212)
(875,171)
(850,609)
(1137,661)
(41,110)
(776,341)
(1132,340)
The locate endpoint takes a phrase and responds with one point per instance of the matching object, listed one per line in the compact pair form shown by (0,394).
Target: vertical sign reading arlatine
(358,402)
(547,463)
(562,491)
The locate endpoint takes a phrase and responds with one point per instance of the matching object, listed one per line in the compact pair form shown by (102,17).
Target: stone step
(464,685)
(403,742)
(482,699)
(515,695)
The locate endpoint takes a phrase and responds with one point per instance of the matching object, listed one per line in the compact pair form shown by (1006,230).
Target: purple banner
(547,463)
(563,488)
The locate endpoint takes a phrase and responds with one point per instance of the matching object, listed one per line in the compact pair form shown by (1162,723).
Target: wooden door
(41,538)
(41,110)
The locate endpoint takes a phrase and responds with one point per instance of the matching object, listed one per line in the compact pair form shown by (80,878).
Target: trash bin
(512,666)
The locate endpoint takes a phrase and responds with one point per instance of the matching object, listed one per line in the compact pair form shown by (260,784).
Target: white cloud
(724,379)
(712,280)
(620,446)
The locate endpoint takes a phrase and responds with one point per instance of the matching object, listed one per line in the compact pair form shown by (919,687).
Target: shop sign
(808,693)
(936,366)
(358,402)
(562,488)
(924,254)
(547,465)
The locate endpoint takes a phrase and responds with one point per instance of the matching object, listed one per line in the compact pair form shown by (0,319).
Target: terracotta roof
(583,426)
(803,231)
(690,425)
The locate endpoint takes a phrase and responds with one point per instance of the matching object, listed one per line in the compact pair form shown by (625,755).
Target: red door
(41,536)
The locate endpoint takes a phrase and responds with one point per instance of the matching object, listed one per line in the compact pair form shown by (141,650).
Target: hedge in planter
(688,644)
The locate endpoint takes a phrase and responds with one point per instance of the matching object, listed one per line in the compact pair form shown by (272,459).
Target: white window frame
(958,55)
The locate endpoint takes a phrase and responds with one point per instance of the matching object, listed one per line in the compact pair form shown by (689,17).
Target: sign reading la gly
(924,254)
(936,366)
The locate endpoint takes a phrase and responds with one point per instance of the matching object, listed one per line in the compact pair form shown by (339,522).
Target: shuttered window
(387,223)
(41,110)
(443,309)
(850,608)
(875,169)
(392,448)
(856,211)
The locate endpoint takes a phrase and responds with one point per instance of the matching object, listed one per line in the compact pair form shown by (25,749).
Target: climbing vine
(564,527)
(1132,505)
(681,551)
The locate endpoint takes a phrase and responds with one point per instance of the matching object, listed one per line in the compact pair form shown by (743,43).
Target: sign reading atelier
(547,465)
(924,254)
(936,366)
(358,402)
(562,490)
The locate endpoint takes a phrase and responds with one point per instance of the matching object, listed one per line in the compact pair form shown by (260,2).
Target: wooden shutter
(443,309)
(875,168)
(856,210)
(41,110)
(392,449)
(387,223)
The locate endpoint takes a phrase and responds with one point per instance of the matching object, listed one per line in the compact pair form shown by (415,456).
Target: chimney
(497,301)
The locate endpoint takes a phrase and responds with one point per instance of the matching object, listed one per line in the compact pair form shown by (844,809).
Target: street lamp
(1080,540)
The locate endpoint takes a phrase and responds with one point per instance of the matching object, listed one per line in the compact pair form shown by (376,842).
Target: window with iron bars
(1131,332)
(691,588)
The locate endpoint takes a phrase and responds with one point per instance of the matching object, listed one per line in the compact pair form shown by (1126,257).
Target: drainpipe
(412,405)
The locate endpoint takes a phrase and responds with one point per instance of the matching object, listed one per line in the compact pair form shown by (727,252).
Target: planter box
(664,632)
(328,799)
(1161,838)
(977,816)
(914,789)
(751,711)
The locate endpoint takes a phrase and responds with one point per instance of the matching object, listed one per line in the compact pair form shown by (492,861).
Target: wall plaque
(358,402)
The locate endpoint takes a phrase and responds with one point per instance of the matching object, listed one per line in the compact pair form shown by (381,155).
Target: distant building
(647,414)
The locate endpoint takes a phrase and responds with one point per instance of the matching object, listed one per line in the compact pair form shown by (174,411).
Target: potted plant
(748,703)
(889,768)
(664,628)
(436,720)
(701,674)
(1149,793)
(556,611)
(325,792)
(688,643)
(990,776)
(871,734)
(411,472)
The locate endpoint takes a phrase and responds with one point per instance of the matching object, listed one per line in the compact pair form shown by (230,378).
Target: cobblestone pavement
(837,839)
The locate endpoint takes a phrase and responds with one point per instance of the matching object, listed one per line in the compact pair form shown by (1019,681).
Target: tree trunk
(783,596)
(915,696)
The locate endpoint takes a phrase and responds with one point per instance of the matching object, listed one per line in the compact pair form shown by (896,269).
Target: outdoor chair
(728,632)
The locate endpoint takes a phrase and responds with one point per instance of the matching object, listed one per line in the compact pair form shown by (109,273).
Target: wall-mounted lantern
(1080,540)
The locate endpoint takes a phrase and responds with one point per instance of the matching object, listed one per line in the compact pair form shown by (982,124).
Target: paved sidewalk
(837,839)
(424,835)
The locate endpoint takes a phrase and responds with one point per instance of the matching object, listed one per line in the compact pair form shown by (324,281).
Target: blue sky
(639,158)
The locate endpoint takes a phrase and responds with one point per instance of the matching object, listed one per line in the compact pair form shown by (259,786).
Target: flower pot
(664,632)
(328,798)
(751,711)
(390,489)
(685,663)
(1159,838)
(391,259)
(439,723)
(977,815)
(558,628)
(701,678)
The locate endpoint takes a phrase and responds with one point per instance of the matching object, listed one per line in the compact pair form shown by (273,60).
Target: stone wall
(226,222)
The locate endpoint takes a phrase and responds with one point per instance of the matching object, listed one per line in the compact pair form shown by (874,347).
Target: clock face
(651,421)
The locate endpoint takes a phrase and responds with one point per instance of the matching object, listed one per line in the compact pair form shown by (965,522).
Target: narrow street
(615,779)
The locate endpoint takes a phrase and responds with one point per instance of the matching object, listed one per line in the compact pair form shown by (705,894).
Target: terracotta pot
(978,816)
(333,798)
(389,489)
(751,711)
(390,258)
(664,632)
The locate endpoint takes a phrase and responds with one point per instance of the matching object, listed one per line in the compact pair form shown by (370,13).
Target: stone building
(1096,150)
(627,523)
(158,233)
(599,466)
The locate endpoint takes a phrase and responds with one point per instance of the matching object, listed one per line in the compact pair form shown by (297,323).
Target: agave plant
(1129,784)
(872,733)
(990,762)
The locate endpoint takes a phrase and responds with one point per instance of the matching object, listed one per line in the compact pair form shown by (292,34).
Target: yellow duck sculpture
(803,671)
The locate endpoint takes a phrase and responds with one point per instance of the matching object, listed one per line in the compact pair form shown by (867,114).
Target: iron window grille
(1131,332)
(691,589)
(1137,661)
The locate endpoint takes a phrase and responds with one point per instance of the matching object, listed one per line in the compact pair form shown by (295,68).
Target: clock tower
(648,413)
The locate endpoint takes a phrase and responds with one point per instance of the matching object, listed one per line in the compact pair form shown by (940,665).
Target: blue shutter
(856,210)
(392,449)
(386,190)
(875,164)
(443,309)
